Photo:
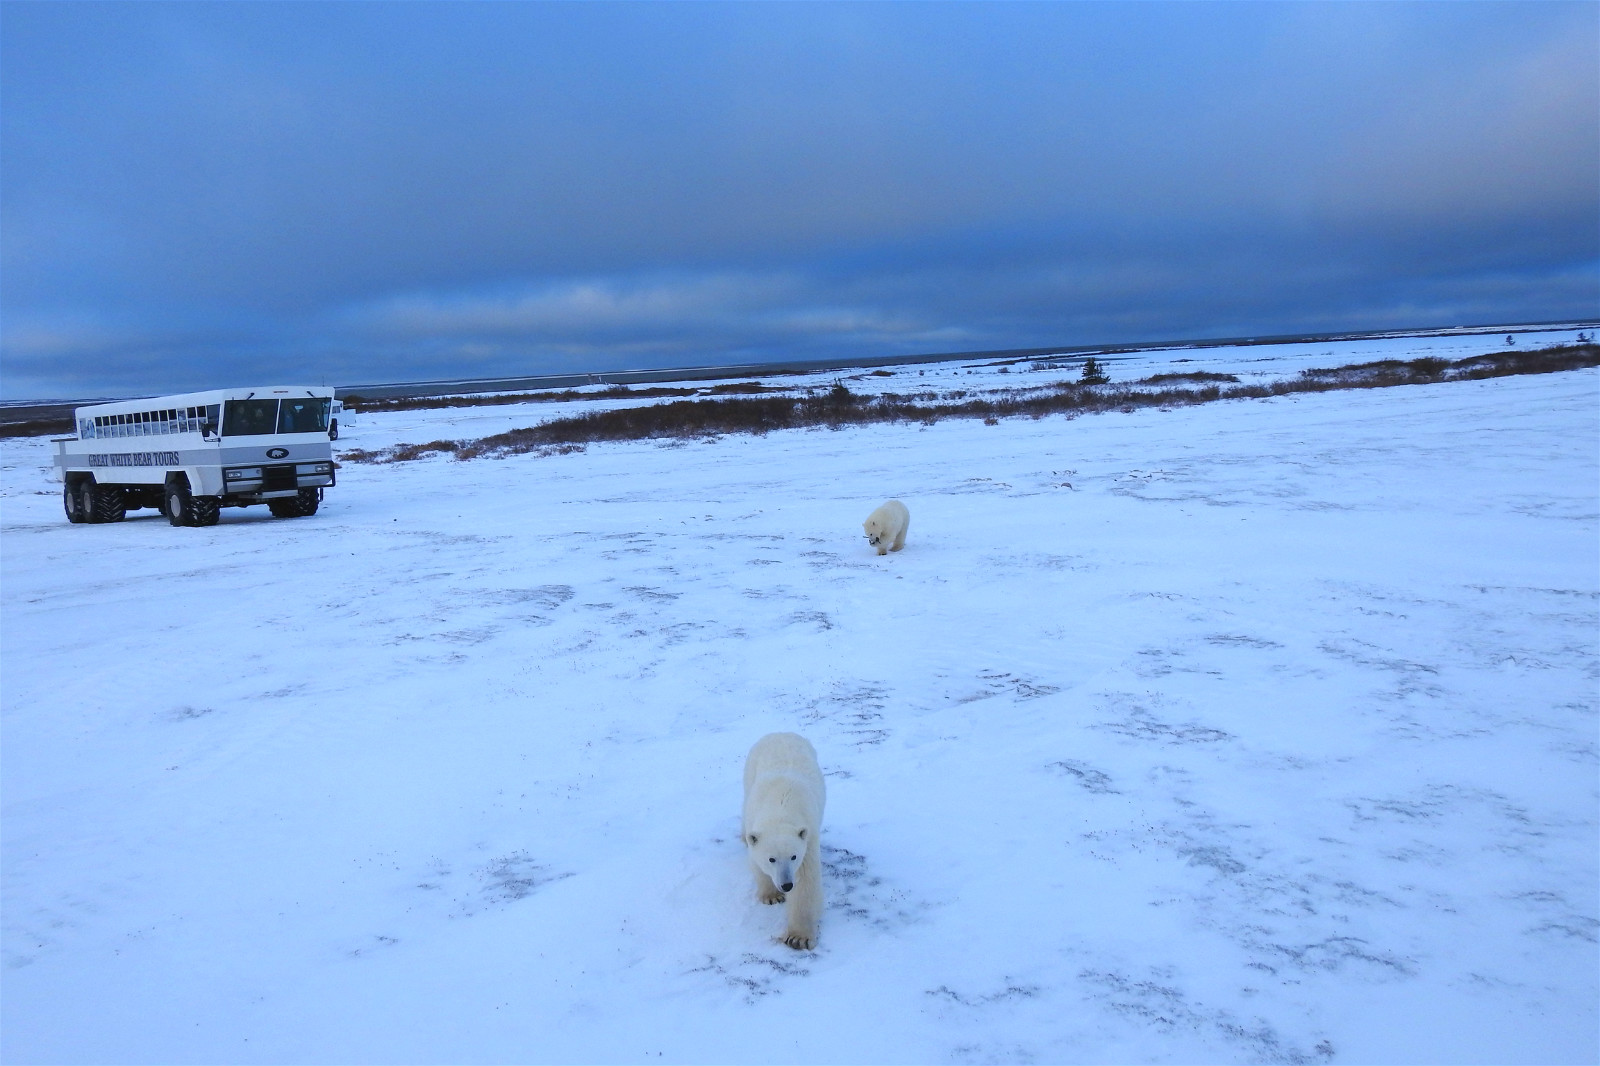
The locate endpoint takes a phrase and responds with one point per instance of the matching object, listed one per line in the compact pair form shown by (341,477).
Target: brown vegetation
(357,402)
(39,427)
(838,407)
(1194,377)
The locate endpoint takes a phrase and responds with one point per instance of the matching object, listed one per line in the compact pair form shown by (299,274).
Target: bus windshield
(309,415)
(244,418)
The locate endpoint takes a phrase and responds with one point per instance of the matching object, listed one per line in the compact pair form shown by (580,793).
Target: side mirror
(208,430)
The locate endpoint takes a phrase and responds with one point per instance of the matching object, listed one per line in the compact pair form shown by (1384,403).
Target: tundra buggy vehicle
(193,454)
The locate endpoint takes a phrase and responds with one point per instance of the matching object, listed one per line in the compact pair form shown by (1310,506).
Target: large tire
(204,510)
(72,502)
(108,503)
(301,505)
(178,505)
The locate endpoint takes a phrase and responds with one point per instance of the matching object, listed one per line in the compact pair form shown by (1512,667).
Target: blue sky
(194,195)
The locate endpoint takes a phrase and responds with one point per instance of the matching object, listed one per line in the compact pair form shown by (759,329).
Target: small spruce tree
(1093,373)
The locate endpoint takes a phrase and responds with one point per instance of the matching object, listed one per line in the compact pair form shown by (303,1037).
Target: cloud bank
(204,194)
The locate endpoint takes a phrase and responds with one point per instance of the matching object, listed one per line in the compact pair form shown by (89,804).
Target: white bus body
(192,454)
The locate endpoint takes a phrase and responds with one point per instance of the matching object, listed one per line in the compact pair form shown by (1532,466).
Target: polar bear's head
(876,534)
(778,852)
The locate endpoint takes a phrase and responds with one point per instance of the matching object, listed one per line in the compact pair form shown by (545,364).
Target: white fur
(783,800)
(886,527)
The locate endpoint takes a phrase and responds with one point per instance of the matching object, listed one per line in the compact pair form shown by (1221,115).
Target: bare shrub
(405,452)
(1196,377)
(737,387)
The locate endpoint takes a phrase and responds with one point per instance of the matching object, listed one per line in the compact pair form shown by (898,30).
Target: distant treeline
(356,402)
(838,406)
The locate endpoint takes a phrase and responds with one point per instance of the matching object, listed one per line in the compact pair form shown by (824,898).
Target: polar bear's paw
(768,893)
(800,941)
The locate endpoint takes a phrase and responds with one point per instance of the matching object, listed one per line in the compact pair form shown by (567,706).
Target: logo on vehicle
(277,453)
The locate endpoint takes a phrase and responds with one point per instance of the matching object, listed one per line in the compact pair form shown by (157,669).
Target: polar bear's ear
(752,838)
(802,834)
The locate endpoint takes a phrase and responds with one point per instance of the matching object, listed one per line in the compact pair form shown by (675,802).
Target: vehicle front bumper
(268,481)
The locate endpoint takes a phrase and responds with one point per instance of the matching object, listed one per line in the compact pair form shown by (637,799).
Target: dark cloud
(193,194)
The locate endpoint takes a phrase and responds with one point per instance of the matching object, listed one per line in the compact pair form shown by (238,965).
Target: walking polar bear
(886,527)
(782,829)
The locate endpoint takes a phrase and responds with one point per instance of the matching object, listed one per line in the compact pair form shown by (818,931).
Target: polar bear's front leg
(805,902)
(766,891)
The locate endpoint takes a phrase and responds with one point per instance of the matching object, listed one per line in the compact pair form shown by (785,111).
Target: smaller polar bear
(886,527)
(782,828)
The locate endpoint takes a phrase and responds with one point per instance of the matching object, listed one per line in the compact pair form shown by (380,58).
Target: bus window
(309,415)
(246,417)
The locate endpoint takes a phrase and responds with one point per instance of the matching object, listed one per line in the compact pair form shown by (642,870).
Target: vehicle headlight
(314,468)
(245,473)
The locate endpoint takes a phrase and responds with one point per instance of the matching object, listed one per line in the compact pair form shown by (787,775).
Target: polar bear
(886,527)
(782,828)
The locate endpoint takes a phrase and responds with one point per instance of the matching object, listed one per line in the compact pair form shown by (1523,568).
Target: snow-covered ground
(1256,731)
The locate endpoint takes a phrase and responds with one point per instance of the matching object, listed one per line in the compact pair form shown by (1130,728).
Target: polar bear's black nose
(788,886)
